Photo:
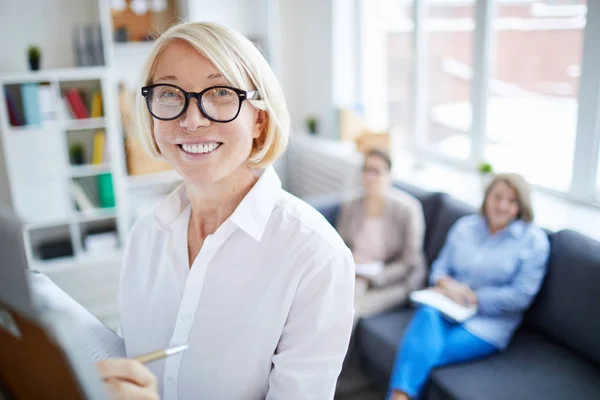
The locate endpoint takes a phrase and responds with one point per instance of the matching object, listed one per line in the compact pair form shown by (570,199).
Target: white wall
(246,16)
(306,62)
(346,53)
(4,186)
(52,30)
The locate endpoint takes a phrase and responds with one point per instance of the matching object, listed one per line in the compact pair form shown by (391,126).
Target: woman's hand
(457,291)
(128,379)
(359,260)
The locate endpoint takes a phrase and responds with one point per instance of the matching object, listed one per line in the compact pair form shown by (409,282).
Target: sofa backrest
(328,205)
(567,308)
(450,210)
(431,203)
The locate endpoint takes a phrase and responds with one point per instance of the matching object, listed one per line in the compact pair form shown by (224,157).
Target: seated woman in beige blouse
(384,225)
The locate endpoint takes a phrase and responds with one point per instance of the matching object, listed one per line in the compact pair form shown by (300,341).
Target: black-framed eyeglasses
(372,171)
(217,103)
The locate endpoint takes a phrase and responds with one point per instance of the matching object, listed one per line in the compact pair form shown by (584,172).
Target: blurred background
(454,89)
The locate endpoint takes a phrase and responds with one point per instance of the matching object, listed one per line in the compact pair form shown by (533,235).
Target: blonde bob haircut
(242,64)
(521,188)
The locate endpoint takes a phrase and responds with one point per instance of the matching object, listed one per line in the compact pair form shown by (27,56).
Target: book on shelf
(96,105)
(77,104)
(47,102)
(31,104)
(14,114)
(66,110)
(99,242)
(106,191)
(99,147)
(87,41)
(82,199)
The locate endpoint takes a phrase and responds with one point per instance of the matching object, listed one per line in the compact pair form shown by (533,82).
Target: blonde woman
(495,260)
(255,281)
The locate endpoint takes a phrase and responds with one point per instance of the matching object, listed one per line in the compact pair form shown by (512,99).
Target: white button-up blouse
(266,308)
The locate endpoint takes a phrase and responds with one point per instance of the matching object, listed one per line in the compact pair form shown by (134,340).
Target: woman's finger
(123,390)
(127,370)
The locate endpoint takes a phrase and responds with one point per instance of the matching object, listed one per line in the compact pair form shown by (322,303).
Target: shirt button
(185,317)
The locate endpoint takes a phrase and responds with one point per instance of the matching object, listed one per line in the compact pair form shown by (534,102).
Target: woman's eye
(169,94)
(223,92)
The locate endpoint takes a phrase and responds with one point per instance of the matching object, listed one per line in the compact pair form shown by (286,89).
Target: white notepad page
(100,341)
(369,270)
(443,304)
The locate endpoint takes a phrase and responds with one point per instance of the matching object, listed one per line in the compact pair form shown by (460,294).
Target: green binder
(106,192)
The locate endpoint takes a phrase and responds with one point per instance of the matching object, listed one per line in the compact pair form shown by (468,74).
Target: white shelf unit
(40,172)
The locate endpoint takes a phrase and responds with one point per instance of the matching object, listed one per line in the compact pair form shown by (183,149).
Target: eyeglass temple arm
(252,95)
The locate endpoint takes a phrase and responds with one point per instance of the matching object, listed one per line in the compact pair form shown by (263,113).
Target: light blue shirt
(506,271)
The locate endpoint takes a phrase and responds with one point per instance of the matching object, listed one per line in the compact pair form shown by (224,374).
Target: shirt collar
(515,229)
(169,209)
(251,215)
(254,211)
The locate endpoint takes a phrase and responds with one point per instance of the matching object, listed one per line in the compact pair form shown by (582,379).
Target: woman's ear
(260,124)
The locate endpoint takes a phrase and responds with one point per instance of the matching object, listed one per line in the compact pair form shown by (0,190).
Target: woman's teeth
(200,148)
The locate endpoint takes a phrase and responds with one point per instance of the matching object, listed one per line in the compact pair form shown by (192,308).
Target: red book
(13,113)
(77,103)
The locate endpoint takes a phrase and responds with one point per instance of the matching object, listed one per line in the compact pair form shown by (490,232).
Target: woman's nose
(192,118)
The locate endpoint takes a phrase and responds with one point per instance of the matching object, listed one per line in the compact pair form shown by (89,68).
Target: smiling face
(203,152)
(502,205)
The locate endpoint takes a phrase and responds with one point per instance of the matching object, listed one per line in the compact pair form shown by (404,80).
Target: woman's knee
(427,312)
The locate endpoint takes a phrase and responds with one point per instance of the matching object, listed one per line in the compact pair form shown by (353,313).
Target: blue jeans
(432,341)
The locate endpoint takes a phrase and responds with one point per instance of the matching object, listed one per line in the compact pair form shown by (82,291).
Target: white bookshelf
(40,172)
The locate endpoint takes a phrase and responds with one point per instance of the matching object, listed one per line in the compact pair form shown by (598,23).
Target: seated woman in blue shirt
(495,260)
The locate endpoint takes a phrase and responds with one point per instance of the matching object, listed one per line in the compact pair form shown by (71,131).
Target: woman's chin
(200,177)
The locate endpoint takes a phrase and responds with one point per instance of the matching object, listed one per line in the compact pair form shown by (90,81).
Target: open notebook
(97,339)
(448,307)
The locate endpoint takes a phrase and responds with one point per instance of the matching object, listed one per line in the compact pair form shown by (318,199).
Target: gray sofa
(554,355)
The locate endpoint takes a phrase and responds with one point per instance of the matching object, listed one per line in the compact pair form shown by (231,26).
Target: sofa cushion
(378,337)
(449,211)
(567,309)
(532,368)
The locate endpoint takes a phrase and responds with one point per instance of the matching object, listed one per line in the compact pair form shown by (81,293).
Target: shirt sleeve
(442,266)
(518,295)
(312,347)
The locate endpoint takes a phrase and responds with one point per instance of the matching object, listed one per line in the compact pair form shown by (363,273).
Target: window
(497,81)
(399,61)
(533,88)
(448,37)
(598,178)
(387,60)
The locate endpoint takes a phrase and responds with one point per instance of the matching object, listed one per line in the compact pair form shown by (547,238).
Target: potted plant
(76,154)
(311,125)
(486,172)
(34,56)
